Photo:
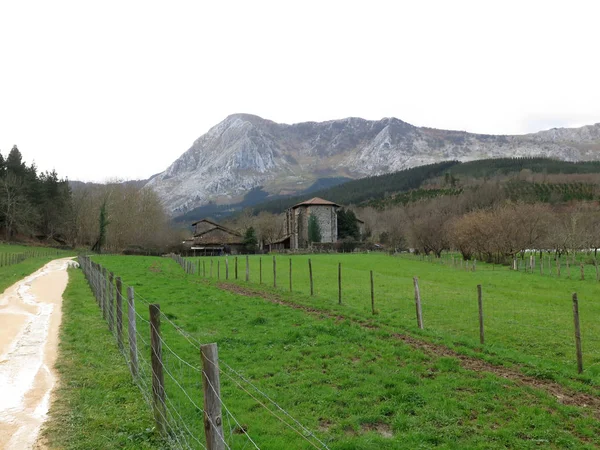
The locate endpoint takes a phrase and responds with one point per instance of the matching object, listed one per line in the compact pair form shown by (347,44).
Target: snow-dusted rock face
(246,151)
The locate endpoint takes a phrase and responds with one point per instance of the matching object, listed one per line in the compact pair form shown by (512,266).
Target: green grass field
(528,318)
(10,274)
(96,404)
(343,374)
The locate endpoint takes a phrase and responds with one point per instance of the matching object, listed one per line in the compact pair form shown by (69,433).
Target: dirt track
(30,315)
(561,393)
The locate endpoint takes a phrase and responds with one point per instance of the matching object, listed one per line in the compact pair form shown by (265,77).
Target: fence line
(9,259)
(180,408)
(440,313)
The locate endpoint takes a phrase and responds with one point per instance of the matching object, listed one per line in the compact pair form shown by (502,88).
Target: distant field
(528,318)
(343,374)
(10,274)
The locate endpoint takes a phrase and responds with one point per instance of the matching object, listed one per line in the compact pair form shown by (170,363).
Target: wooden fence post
(531,263)
(211,268)
(290,274)
(104,280)
(340,283)
(582,272)
(372,295)
(158,381)
(132,332)
(213,422)
(204,269)
(274,272)
(102,288)
(247,268)
(218,269)
(568,269)
(260,270)
(119,284)
(312,290)
(226,268)
(236,267)
(418,303)
(577,334)
(558,267)
(480,304)
(111,302)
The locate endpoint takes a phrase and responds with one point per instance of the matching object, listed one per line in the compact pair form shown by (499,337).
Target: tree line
(43,207)
(488,230)
(33,204)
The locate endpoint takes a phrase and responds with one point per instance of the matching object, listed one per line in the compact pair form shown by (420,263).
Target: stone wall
(296,224)
(327,218)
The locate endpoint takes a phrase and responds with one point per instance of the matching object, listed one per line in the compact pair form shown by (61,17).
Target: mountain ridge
(246,151)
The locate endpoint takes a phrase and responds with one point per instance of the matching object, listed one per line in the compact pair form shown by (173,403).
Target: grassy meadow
(11,273)
(344,375)
(528,318)
(96,405)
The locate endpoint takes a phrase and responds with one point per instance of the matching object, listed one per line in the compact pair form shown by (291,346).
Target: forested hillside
(490,209)
(32,203)
(416,183)
(41,208)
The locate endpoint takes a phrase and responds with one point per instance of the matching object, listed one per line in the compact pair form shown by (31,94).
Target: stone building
(210,238)
(296,222)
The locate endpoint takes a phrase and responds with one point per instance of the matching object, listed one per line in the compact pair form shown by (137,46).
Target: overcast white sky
(103,89)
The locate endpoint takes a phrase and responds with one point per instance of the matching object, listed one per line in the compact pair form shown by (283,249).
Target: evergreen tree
(31,203)
(14,163)
(103,224)
(347,224)
(314,229)
(2,166)
(250,240)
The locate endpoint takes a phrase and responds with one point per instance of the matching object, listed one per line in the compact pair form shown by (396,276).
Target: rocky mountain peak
(245,151)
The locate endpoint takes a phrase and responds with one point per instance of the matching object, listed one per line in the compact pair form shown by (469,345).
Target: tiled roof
(316,201)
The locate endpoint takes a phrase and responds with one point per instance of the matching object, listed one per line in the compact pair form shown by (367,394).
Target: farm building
(296,223)
(210,238)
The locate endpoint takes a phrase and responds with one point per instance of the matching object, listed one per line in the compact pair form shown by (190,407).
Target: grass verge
(96,405)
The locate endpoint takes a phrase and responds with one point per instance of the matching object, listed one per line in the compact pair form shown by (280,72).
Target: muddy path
(30,316)
(561,393)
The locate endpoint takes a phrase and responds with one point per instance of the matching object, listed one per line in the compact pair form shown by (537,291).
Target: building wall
(296,224)
(327,219)
(301,221)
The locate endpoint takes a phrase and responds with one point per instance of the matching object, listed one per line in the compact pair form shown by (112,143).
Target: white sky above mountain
(105,89)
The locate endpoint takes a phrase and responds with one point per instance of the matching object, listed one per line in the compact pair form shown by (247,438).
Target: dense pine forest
(42,208)
(415,183)
(33,204)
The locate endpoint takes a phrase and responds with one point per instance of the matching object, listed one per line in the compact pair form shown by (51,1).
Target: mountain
(76,185)
(245,152)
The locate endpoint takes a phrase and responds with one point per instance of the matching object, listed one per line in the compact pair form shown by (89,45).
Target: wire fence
(9,259)
(528,321)
(167,365)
